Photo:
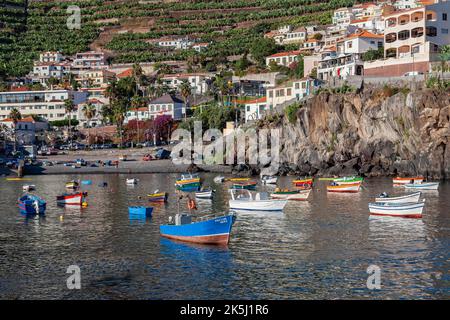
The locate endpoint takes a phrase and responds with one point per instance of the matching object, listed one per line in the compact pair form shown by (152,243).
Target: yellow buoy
(84,204)
(61,218)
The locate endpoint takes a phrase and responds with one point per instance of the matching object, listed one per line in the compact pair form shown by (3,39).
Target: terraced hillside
(126,28)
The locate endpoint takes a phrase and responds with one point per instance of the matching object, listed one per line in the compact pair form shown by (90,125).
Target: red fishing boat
(76,198)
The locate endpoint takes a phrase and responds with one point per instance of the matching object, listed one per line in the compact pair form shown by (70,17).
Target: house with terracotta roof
(125,73)
(26,129)
(360,42)
(80,116)
(283,58)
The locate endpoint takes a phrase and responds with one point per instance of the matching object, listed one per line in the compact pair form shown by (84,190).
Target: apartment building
(95,78)
(88,60)
(140,114)
(412,39)
(26,129)
(51,57)
(343,16)
(48,104)
(43,71)
(292,91)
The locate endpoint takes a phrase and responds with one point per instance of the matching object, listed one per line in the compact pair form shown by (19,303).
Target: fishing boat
(31,204)
(258,202)
(132,181)
(269,179)
(188,182)
(249,185)
(345,188)
(205,194)
(239,179)
(139,211)
(399,181)
(406,210)
(219,179)
(423,186)
(348,180)
(72,185)
(75,199)
(158,196)
(412,197)
(299,195)
(29,187)
(305,183)
(207,230)
(18,179)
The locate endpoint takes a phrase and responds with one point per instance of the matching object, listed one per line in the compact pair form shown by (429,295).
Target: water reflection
(318,248)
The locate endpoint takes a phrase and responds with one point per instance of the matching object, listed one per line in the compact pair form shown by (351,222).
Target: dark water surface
(318,249)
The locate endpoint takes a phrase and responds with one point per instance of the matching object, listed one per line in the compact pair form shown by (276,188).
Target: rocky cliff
(373,132)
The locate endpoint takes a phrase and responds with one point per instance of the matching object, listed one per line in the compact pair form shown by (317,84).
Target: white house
(342,16)
(283,58)
(88,60)
(177,43)
(51,57)
(254,109)
(167,105)
(199,82)
(96,120)
(42,71)
(140,114)
(360,42)
(26,129)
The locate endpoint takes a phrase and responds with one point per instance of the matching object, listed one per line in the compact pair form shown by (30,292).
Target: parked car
(413,73)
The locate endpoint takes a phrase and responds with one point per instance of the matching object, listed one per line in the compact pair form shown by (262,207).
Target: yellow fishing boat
(18,179)
(238,179)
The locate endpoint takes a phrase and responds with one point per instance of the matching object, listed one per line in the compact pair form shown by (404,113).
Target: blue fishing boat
(140,211)
(86,182)
(208,230)
(189,187)
(31,204)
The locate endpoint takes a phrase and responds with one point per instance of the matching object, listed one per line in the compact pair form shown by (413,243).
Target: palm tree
(15,116)
(185,90)
(89,112)
(138,75)
(69,107)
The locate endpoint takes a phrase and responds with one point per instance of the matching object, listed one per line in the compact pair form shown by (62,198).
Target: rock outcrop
(372,133)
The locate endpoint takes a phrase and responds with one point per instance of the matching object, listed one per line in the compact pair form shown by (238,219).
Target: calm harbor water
(319,249)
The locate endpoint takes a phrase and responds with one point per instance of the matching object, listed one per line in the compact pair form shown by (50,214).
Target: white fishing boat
(29,187)
(423,186)
(132,181)
(406,210)
(412,197)
(204,194)
(219,179)
(299,195)
(245,200)
(269,179)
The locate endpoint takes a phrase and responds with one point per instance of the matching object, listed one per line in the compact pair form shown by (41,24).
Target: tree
(261,48)
(69,107)
(185,90)
(444,56)
(373,54)
(89,111)
(15,116)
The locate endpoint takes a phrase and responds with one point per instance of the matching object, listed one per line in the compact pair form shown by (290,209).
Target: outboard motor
(384,195)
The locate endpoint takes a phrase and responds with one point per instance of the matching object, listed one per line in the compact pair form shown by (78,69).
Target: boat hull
(244,186)
(257,205)
(406,210)
(73,199)
(346,188)
(294,196)
(402,181)
(158,197)
(204,195)
(413,197)
(423,186)
(213,231)
(27,205)
(303,183)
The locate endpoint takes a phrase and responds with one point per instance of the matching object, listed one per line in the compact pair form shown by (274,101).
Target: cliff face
(372,133)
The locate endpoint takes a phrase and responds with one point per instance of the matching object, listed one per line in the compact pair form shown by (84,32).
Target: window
(297,85)
(444,16)
(289,92)
(349,44)
(248,108)
(403,35)
(444,31)
(431,31)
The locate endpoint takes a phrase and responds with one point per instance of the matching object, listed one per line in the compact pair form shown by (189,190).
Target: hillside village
(371,42)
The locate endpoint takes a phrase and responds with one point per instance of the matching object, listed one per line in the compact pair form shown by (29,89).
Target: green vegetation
(373,54)
(231,27)
(291,112)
